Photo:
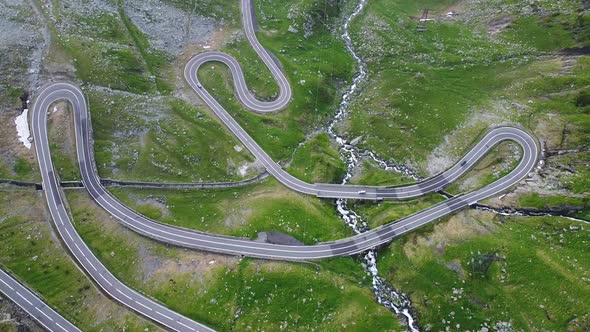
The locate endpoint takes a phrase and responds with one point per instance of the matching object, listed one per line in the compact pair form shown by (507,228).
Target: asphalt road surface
(33,305)
(231,245)
(85,258)
(224,244)
(436,183)
(238,246)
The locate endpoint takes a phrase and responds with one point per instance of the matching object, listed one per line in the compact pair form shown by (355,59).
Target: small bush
(583,99)
(22,167)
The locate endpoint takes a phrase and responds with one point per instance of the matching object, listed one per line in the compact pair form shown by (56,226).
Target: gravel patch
(21,48)
(72,9)
(168,28)
(153,201)
(238,216)
(453,145)
(13,318)
(17,28)
(21,44)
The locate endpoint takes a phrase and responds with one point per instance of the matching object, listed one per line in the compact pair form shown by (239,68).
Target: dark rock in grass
(278,238)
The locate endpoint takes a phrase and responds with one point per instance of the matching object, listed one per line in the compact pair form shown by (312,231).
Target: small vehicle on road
(199,86)
(463,163)
(361,192)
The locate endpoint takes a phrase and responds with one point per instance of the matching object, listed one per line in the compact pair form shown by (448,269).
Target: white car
(361,192)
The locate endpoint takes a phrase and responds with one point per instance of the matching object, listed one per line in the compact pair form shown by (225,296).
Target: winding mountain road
(239,246)
(232,245)
(33,305)
(65,228)
(436,183)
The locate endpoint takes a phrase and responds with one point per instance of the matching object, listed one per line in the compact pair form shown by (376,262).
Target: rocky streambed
(386,295)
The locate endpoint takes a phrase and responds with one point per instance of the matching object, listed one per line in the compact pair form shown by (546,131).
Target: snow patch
(22,128)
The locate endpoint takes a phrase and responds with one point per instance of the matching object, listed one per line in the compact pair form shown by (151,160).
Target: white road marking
(89,262)
(61,327)
(127,296)
(106,280)
(143,305)
(7,285)
(183,324)
(24,298)
(199,240)
(44,314)
(161,314)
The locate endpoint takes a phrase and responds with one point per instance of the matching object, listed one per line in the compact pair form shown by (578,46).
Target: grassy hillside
(428,96)
(476,270)
(30,250)
(227,292)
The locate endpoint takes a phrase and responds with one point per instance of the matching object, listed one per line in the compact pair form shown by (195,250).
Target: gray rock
(167,27)
(356,141)
(278,238)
